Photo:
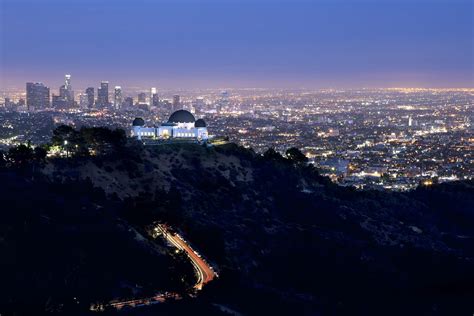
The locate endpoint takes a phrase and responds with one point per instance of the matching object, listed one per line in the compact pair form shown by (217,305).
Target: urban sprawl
(395,138)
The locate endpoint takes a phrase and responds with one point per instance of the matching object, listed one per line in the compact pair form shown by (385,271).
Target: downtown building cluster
(39,97)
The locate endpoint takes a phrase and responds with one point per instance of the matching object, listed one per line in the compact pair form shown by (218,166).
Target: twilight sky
(231,43)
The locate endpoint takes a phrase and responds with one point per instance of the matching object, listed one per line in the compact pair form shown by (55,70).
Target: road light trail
(204,272)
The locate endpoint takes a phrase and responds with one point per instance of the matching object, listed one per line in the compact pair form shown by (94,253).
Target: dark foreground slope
(286,240)
(62,248)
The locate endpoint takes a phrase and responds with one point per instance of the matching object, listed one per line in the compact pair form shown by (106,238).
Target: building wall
(139,132)
(165,131)
(169,131)
(184,132)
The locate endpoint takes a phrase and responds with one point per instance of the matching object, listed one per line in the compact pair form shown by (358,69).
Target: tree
(101,139)
(3,162)
(119,137)
(61,134)
(272,154)
(295,155)
(40,153)
(20,155)
(98,139)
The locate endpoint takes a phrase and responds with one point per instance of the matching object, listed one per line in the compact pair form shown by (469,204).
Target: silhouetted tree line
(82,142)
(22,155)
(293,155)
(87,140)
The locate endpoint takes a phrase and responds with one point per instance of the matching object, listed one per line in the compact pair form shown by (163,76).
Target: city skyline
(190,44)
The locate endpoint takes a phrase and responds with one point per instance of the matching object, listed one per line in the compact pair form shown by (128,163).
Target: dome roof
(138,121)
(200,123)
(168,124)
(181,116)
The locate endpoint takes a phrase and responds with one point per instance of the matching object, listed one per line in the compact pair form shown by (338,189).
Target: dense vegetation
(292,242)
(285,239)
(63,245)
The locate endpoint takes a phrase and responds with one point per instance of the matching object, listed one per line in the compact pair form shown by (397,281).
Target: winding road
(204,272)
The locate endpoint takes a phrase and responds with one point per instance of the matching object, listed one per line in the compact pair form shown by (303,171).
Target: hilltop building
(181,124)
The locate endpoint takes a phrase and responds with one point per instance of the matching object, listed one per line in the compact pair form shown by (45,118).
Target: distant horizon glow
(237,44)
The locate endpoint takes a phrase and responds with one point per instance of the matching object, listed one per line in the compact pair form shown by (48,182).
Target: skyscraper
(59,101)
(7,103)
(65,99)
(142,98)
(90,97)
(67,81)
(63,93)
(154,100)
(153,96)
(37,96)
(69,91)
(83,100)
(128,103)
(176,103)
(103,94)
(118,99)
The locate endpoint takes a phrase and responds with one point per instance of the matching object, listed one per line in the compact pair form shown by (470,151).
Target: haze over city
(216,44)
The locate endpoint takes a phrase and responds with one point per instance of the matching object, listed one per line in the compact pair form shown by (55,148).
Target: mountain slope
(287,240)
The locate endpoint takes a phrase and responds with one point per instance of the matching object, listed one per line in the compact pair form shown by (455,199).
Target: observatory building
(181,124)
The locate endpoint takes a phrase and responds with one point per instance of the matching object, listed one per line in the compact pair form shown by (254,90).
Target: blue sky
(185,44)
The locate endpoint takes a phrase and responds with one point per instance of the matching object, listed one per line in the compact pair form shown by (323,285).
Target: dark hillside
(63,247)
(285,240)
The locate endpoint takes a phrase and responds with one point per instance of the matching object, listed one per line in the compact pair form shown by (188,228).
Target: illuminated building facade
(181,124)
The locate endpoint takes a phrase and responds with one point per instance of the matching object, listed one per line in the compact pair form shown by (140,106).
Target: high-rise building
(118,99)
(166,106)
(142,98)
(90,97)
(67,82)
(37,96)
(65,99)
(154,100)
(69,91)
(63,93)
(83,100)
(103,94)
(128,103)
(7,103)
(59,101)
(176,103)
